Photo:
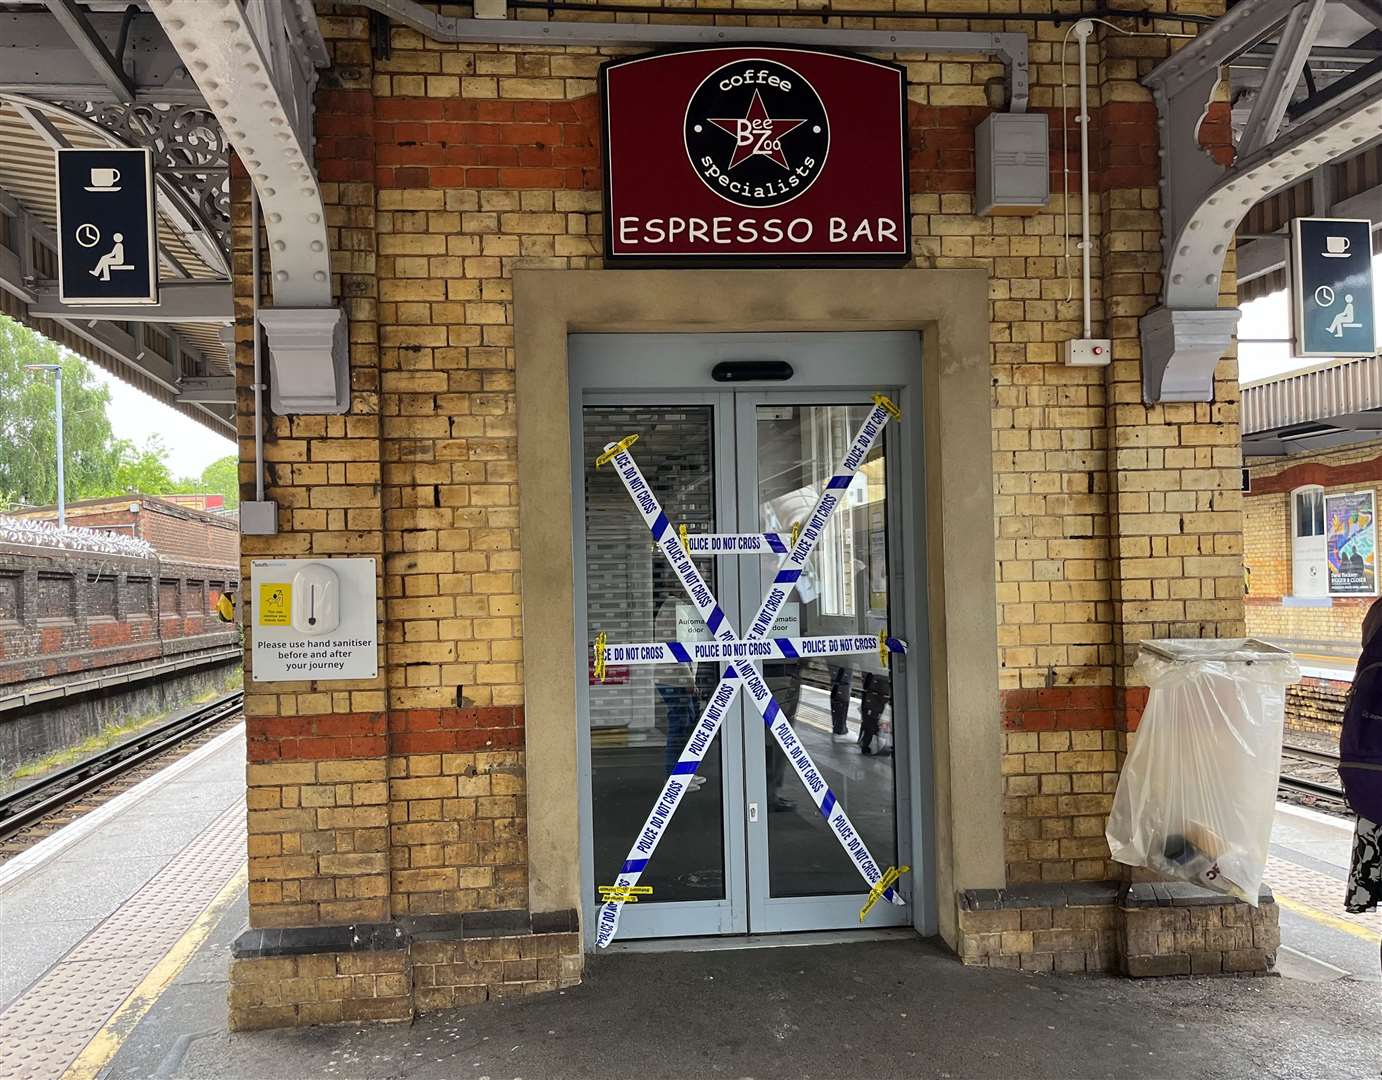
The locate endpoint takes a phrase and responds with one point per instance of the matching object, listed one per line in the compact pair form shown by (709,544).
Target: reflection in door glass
(641,717)
(839,706)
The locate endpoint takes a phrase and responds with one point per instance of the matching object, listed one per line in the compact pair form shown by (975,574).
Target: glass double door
(747,850)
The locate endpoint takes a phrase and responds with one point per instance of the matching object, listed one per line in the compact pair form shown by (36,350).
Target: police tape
(782,648)
(878,890)
(624,894)
(702,544)
(784,581)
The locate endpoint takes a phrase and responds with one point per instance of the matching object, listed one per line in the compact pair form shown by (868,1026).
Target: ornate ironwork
(190,152)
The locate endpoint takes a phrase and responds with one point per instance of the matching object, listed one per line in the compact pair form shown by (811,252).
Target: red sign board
(755,155)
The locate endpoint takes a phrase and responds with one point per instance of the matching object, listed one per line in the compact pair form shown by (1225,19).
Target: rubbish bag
(1198,789)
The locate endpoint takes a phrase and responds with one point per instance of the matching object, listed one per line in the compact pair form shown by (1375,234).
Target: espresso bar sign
(740,155)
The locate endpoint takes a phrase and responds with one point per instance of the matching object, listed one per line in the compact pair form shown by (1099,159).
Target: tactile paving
(1316,890)
(46,1027)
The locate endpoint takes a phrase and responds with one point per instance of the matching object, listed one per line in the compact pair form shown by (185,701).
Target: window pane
(641,717)
(841,708)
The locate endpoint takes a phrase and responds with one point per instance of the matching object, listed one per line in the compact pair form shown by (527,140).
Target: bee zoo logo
(757,133)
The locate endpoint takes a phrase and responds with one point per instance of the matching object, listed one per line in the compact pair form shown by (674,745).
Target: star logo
(757,134)
(736,127)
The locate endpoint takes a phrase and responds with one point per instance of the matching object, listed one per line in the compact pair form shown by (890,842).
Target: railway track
(1310,783)
(31,804)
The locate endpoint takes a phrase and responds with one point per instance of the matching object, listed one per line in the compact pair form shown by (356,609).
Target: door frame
(614,369)
(950,308)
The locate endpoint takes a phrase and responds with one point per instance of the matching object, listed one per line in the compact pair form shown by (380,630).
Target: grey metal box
(259,518)
(1012,164)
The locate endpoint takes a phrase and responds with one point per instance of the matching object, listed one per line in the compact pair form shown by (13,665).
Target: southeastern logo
(757,133)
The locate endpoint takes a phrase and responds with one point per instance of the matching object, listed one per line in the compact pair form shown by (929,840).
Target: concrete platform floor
(873,1009)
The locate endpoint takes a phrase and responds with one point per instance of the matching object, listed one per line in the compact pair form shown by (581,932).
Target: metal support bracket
(1203,201)
(256,67)
(208,389)
(300,341)
(1269,109)
(1180,350)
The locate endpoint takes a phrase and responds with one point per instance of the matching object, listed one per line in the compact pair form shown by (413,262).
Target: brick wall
(215,541)
(176,532)
(1267,535)
(65,613)
(444,168)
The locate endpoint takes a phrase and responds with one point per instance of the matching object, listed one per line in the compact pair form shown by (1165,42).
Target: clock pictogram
(88,235)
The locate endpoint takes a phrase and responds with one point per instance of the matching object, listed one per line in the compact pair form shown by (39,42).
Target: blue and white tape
(703,544)
(723,696)
(780,648)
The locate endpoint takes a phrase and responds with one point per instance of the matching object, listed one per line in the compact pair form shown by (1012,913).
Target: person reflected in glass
(841,684)
(877,693)
(784,680)
(676,686)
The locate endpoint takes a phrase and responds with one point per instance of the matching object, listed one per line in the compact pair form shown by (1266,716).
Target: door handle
(753,811)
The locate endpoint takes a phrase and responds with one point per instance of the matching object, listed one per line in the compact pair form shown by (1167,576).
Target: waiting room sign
(755,156)
(107,241)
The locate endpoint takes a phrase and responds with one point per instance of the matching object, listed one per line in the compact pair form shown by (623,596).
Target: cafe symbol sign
(107,251)
(743,156)
(1331,262)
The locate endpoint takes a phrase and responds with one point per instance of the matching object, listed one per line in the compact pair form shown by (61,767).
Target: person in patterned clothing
(1360,768)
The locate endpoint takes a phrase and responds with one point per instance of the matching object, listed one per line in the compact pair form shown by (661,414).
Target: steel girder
(42,60)
(178,302)
(256,66)
(1203,202)
(72,17)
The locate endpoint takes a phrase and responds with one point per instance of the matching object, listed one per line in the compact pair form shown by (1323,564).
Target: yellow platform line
(116,1030)
(1332,921)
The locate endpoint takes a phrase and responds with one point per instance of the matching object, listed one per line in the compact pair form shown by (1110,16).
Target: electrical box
(1012,164)
(1088,352)
(259,518)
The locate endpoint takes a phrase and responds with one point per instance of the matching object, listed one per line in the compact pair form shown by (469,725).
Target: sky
(136,416)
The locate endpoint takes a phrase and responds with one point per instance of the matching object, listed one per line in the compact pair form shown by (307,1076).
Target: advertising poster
(1351,543)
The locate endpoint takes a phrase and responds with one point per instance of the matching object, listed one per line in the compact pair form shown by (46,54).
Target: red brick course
(1073,708)
(334,736)
(414,142)
(176,532)
(1318,472)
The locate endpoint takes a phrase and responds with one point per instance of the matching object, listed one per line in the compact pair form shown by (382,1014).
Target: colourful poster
(1351,536)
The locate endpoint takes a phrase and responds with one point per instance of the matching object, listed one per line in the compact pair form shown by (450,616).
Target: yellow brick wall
(1114,521)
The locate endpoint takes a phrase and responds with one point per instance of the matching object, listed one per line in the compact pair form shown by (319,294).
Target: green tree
(222,477)
(145,470)
(28,434)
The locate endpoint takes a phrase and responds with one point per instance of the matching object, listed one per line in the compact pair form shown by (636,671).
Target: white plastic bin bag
(1198,789)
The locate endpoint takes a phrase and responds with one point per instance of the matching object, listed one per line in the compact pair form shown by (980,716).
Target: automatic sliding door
(640,717)
(841,707)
